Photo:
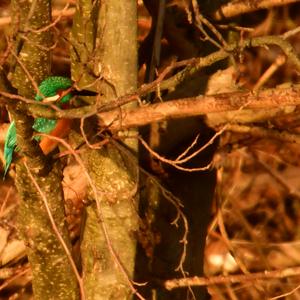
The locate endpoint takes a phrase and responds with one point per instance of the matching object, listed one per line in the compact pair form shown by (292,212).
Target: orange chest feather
(61,130)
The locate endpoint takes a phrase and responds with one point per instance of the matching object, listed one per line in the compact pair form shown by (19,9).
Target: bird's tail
(9,146)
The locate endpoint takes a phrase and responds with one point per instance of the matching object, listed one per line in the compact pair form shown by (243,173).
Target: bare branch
(201,105)
(57,14)
(260,132)
(235,8)
(221,279)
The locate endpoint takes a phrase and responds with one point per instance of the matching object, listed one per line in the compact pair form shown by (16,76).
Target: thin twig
(264,133)
(200,19)
(16,276)
(174,163)
(221,279)
(172,199)
(187,150)
(291,32)
(3,204)
(52,24)
(277,176)
(279,61)
(4,21)
(286,294)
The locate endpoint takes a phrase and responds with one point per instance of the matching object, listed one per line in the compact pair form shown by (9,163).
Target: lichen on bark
(112,71)
(115,224)
(53,277)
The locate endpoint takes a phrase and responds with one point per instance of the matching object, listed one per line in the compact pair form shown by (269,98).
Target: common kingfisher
(57,89)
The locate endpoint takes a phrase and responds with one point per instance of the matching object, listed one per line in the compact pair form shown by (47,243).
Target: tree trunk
(104,36)
(38,181)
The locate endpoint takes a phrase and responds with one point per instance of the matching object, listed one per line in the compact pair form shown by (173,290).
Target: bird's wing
(9,146)
(11,135)
(44,125)
(40,125)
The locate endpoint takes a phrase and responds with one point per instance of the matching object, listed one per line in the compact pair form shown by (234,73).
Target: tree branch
(195,106)
(121,118)
(57,14)
(193,65)
(235,8)
(221,279)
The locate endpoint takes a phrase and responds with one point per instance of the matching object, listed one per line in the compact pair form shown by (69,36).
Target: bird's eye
(60,92)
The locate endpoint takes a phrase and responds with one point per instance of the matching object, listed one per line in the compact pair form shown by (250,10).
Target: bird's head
(60,90)
(55,89)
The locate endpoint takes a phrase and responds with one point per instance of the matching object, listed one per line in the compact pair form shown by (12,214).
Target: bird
(56,89)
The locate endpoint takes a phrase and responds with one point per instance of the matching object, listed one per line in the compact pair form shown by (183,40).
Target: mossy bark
(105,58)
(53,277)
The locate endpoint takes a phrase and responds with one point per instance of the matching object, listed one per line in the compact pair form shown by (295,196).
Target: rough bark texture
(84,37)
(106,48)
(103,278)
(53,277)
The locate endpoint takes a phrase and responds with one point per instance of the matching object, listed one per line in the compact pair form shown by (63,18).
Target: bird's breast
(61,130)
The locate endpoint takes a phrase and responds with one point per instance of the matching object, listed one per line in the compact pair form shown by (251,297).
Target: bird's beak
(84,93)
(70,90)
(51,99)
(60,94)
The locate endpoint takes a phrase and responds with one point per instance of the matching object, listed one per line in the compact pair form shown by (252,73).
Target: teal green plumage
(9,146)
(50,87)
